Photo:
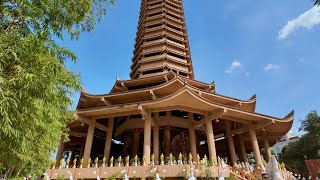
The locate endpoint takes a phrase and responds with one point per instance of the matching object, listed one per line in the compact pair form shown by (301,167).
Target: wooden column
(89,140)
(192,135)
(147,138)
(243,149)
(167,141)
(255,147)
(156,137)
(230,143)
(107,145)
(266,146)
(136,142)
(60,152)
(211,143)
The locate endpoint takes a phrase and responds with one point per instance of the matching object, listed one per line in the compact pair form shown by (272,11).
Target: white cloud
(307,20)
(235,65)
(271,67)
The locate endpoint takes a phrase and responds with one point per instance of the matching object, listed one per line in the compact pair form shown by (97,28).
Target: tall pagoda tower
(162,109)
(162,41)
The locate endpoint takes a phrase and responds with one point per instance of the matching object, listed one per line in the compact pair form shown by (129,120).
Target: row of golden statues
(198,161)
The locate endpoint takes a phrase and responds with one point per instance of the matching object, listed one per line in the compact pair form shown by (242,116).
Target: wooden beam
(219,136)
(143,112)
(84,120)
(106,102)
(154,97)
(102,127)
(166,78)
(146,114)
(77,134)
(128,113)
(246,128)
(90,122)
(229,118)
(210,116)
(182,108)
(124,86)
(119,88)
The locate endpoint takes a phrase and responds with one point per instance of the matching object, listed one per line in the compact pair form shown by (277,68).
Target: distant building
(285,140)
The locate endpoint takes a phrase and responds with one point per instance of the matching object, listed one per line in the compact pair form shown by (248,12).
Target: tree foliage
(307,147)
(317,2)
(35,85)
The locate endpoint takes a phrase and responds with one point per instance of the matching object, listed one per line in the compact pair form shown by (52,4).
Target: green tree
(317,2)
(307,147)
(35,85)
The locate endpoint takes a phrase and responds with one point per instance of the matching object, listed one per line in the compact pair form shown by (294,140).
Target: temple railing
(121,168)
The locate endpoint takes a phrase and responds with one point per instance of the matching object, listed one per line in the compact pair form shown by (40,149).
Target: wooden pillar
(255,147)
(211,143)
(167,141)
(242,149)
(60,152)
(107,146)
(147,139)
(156,137)
(232,150)
(136,142)
(192,136)
(89,140)
(266,146)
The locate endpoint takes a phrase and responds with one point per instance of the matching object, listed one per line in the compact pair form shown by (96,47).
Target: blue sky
(268,48)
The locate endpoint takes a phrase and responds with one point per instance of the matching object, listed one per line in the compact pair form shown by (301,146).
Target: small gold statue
(180,158)
(67,164)
(111,161)
(198,159)
(74,163)
(54,164)
(81,163)
(199,162)
(60,166)
(89,163)
(190,158)
(104,162)
(212,161)
(171,159)
(119,161)
(162,159)
(96,162)
(152,159)
(219,160)
(144,160)
(127,161)
(205,160)
(136,160)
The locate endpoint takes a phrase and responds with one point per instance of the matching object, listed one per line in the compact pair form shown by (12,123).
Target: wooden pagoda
(162,109)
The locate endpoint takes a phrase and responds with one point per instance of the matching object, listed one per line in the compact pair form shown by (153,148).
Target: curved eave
(160,91)
(178,100)
(134,95)
(141,81)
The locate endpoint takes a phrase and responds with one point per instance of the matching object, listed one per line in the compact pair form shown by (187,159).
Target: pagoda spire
(161,43)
